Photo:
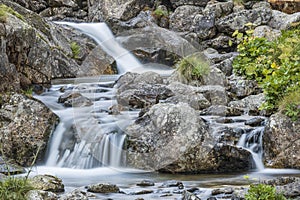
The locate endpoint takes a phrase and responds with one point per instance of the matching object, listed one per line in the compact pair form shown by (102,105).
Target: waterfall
(103,36)
(252,141)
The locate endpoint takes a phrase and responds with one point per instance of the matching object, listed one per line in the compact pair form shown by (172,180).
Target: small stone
(103,188)
(222,191)
(143,192)
(257,121)
(145,183)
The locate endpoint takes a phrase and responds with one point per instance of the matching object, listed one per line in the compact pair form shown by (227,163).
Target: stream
(87,144)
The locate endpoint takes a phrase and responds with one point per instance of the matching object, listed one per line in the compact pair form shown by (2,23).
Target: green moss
(75,50)
(5,9)
(290,105)
(193,67)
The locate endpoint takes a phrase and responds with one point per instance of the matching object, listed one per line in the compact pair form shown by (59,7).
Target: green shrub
(193,67)
(14,188)
(75,50)
(159,13)
(275,65)
(263,192)
(290,105)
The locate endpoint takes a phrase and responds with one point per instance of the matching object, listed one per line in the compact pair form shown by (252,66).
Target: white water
(87,137)
(253,143)
(101,33)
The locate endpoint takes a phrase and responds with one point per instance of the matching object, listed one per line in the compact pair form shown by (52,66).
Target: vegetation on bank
(263,192)
(275,65)
(193,67)
(14,188)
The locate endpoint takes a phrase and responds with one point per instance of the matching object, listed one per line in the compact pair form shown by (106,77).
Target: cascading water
(252,141)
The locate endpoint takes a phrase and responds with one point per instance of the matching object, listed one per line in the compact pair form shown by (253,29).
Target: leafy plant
(75,50)
(275,65)
(263,192)
(193,67)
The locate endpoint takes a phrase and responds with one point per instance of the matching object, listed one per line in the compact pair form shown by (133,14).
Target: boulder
(282,21)
(266,32)
(221,110)
(25,127)
(241,87)
(215,94)
(280,139)
(123,10)
(204,25)
(9,168)
(33,50)
(215,77)
(288,186)
(34,5)
(189,196)
(40,195)
(220,43)
(74,99)
(156,44)
(47,183)
(182,18)
(238,20)
(103,188)
(249,104)
(187,94)
(219,9)
(179,131)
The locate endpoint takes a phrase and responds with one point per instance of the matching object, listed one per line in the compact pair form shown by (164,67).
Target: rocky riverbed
(183,126)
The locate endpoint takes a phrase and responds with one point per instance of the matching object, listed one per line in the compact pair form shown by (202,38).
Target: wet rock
(211,198)
(189,196)
(281,139)
(238,20)
(145,183)
(249,104)
(103,188)
(47,183)
(282,21)
(182,18)
(222,191)
(187,94)
(225,66)
(25,125)
(221,110)
(143,192)
(40,195)
(145,96)
(242,88)
(173,183)
(257,121)
(74,99)
(77,195)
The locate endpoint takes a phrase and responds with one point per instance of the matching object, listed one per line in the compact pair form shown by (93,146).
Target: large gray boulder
(32,50)
(47,183)
(281,138)
(25,127)
(174,139)
(282,21)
